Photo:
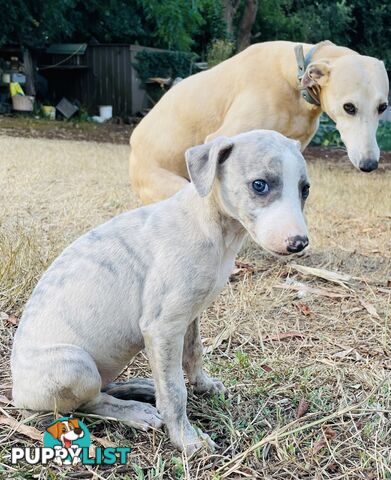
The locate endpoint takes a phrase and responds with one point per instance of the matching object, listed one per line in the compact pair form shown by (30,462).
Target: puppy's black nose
(297,244)
(368,165)
(78,431)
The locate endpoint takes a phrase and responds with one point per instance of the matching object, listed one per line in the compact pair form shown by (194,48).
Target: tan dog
(261,87)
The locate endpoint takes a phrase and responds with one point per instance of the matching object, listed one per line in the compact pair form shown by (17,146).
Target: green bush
(384,135)
(219,51)
(327,134)
(164,64)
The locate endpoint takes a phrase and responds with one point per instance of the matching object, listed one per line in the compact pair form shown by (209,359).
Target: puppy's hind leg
(192,362)
(142,389)
(60,377)
(130,412)
(65,378)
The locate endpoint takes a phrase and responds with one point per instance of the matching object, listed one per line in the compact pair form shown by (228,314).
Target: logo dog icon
(67,436)
(67,431)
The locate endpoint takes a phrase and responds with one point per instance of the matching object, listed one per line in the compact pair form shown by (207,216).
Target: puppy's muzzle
(368,165)
(297,243)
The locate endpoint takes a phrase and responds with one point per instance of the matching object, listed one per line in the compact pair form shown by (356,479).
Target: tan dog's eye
(305,191)
(350,108)
(382,108)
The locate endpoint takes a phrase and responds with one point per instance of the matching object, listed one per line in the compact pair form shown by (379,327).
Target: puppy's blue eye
(305,192)
(260,186)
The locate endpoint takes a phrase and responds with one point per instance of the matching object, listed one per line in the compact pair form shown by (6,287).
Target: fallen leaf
(282,336)
(350,352)
(370,308)
(245,266)
(349,311)
(302,408)
(333,467)
(30,432)
(327,435)
(221,337)
(5,400)
(13,319)
(103,441)
(303,308)
(301,287)
(266,368)
(241,268)
(335,277)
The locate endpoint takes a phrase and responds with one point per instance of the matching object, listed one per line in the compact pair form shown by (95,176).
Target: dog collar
(310,94)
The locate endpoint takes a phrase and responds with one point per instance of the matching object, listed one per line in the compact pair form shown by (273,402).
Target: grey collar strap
(310,94)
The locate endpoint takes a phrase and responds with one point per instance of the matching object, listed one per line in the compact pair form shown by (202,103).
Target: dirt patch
(27,127)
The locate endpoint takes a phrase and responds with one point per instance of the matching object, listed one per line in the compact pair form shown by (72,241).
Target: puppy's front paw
(192,441)
(206,384)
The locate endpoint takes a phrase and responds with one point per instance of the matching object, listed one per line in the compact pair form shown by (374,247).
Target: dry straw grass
(273,347)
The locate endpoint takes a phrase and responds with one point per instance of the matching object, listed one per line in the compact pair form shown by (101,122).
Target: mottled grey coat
(142,279)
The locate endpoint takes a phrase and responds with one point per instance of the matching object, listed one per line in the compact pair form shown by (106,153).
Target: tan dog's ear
(202,162)
(55,429)
(317,73)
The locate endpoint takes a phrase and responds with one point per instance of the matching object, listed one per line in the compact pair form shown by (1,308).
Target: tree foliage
(193,25)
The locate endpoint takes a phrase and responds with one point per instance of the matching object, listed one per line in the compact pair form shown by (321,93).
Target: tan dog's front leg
(192,362)
(164,351)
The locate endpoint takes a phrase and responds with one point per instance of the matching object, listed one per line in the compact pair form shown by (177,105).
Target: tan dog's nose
(368,165)
(297,243)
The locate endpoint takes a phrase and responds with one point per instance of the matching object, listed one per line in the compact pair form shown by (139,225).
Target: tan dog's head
(354,93)
(259,178)
(66,431)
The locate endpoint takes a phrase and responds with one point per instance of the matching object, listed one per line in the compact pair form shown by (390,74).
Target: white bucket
(106,111)
(49,112)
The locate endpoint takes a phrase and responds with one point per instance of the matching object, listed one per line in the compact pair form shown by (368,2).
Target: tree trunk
(29,72)
(229,10)
(246,24)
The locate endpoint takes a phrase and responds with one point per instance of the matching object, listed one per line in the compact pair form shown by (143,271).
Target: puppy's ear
(202,162)
(55,430)
(317,73)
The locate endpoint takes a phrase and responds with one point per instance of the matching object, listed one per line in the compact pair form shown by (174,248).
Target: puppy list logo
(67,441)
